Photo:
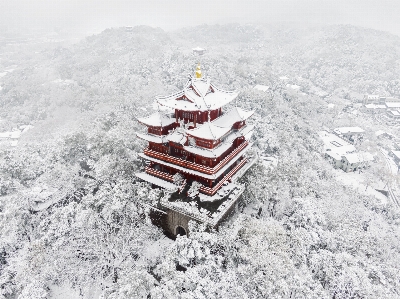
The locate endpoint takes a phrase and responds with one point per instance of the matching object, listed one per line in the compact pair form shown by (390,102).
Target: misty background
(90,16)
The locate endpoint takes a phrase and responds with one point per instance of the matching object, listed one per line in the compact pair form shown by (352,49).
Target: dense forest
(74,217)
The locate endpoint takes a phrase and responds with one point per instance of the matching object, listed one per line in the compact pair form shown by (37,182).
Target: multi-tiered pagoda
(200,142)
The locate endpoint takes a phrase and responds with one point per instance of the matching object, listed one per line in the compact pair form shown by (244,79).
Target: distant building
(354,161)
(376,99)
(371,99)
(342,154)
(198,51)
(392,105)
(262,87)
(375,108)
(352,134)
(396,157)
(380,134)
(395,114)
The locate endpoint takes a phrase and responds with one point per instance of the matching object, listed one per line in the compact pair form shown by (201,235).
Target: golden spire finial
(198,71)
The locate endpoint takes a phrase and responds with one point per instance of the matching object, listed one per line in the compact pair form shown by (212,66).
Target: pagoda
(196,141)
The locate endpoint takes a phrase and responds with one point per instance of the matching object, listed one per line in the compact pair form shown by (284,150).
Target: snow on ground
(269,162)
(64,292)
(357,181)
(261,87)
(390,163)
(293,86)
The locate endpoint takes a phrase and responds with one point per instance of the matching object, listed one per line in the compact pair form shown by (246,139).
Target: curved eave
(215,153)
(152,138)
(211,101)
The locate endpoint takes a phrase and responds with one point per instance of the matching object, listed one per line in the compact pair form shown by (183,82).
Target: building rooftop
(156,181)
(346,130)
(234,115)
(198,95)
(375,106)
(157,119)
(358,157)
(396,154)
(335,144)
(209,131)
(152,138)
(177,137)
(246,131)
(261,87)
(392,104)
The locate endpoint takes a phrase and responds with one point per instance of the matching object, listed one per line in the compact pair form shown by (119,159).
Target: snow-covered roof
(209,131)
(12,134)
(198,49)
(293,86)
(156,181)
(393,104)
(372,96)
(209,153)
(234,115)
(198,95)
(261,87)
(397,154)
(246,131)
(152,138)
(375,106)
(395,112)
(358,157)
(345,130)
(334,155)
(177,137)
(335,144)
(380,132)
(157,119)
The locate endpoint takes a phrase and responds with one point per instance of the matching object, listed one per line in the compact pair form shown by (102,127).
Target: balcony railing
(212,191)
(159,174)
(195,166)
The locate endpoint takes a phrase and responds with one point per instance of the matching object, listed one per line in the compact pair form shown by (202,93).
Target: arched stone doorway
(180,231)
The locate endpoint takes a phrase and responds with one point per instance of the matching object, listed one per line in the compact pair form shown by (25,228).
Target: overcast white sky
(89,15)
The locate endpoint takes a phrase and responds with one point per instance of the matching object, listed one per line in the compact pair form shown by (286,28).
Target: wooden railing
(159,174)
(164,176)
(195,166)
(212,191)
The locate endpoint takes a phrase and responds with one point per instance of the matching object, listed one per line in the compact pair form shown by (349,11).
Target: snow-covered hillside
(300,231)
